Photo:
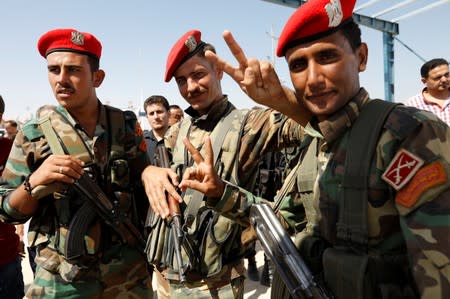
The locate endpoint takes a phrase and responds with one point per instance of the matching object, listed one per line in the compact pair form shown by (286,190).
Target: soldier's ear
(363,54)
(98,77)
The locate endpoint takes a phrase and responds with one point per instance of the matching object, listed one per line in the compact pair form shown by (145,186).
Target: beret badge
(191,43)
(334,12)
(77,38)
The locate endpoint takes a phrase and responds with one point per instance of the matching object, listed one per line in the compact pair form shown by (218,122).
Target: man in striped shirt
(435,97)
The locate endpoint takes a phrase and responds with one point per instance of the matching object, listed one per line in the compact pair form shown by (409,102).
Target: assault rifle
(281,250)
(97,204)
(162,160)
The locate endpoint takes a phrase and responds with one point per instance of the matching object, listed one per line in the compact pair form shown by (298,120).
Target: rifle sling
(352,223)
(51,136)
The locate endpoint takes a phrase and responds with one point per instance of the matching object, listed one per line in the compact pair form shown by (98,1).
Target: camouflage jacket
(257,135)
(408,191)
(119,158)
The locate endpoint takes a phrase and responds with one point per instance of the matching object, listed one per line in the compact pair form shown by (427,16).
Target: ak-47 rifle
(281,250)
(96,204)
(162,160)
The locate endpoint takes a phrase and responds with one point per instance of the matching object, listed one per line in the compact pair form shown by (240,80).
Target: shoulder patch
(401,169)
(427,177)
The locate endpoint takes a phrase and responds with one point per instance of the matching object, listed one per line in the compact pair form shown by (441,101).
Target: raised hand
(256,78)
(202,176)
(260,82)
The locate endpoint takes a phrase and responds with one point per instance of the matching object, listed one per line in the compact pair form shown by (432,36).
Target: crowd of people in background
(223,160)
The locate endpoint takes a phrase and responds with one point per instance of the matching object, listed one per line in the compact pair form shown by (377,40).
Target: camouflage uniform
(258,134)
(411,220)
(110,269)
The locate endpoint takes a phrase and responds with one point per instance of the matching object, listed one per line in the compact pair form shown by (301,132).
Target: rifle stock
(279,247)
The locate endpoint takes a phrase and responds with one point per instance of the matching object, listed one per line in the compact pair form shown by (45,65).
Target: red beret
(313,20)
(69,40)
(186,47)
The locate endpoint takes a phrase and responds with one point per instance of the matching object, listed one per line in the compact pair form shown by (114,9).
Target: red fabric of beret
(184,48)
(313,20)
(69,40)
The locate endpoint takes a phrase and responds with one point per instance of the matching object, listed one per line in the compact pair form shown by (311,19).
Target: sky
(137,36)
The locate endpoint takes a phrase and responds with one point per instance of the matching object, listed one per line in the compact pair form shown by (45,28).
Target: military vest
(214,239)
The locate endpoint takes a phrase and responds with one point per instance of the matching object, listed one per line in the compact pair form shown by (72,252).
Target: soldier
(215,249)
(105,144)
(11,128)
(176,114)
(392,239)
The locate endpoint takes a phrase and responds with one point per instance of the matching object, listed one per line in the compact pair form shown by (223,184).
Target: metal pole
(388,45)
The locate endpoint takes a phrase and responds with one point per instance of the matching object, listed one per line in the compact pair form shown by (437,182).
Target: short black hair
(206,47)
(156,99)
(94,62)
(352,33)
(431,64)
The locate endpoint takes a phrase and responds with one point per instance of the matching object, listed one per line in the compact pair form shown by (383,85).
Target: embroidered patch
(402,169)
(427,177)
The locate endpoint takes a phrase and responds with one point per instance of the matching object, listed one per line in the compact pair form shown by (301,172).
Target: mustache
(64,86)
(196,92)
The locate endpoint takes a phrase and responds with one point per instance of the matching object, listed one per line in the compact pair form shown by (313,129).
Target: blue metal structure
(389,30)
